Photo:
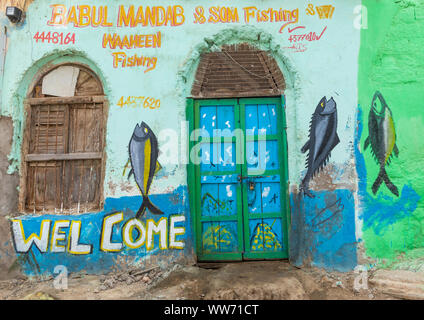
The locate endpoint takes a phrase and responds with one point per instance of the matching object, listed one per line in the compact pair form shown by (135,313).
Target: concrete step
(399,283)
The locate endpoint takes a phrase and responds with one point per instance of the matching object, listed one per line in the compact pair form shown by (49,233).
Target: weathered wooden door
(239,179)
(63,147)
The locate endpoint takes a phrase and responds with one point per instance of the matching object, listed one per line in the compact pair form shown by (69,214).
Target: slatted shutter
(238,70)
(63,149)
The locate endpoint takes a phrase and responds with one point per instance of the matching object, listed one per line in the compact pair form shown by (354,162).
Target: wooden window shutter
(238,70)
(63,149)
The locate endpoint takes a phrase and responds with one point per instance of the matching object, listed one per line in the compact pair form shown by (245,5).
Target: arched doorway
(63,146)
(238,156)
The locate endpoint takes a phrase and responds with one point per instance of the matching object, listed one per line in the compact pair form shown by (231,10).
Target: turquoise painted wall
(312,69)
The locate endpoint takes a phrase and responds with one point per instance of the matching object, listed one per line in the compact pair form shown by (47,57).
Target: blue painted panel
(270,197)
(265,235)
(262,155)
(267,119)
(206,153)
(254,200)
(265,198)
(271,161)
(227,196)
(323,230)
(218,192)
(228,157)
(218,199)
(226,120)
(252,154)
(209,203)
(219,237)
(208,119)
(251,115)
(230,178)
(218,156)
(261,119)
(217,120)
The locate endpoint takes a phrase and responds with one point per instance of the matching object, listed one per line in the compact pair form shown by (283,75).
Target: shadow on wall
(323,230)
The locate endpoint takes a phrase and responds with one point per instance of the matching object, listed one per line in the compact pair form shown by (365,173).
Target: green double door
(237,178)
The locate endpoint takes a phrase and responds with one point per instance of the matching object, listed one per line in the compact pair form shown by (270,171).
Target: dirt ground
(271,280)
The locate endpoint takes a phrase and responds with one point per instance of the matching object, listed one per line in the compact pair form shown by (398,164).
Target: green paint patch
(391,62)
(412,260)
(394,240)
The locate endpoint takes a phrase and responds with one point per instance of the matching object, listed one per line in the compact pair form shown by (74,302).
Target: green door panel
(237,178)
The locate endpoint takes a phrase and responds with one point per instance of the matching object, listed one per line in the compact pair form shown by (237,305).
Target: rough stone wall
(8,198)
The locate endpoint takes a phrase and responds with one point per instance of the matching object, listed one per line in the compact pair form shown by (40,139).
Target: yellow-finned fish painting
(382,139)
(143,152)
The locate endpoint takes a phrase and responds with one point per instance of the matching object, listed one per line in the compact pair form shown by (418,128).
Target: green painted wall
(392,62)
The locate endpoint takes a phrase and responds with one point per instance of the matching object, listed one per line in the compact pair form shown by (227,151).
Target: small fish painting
(322,140)
(382,139)
(143,152)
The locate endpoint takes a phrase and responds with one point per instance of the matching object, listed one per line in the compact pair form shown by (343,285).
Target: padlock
(251,185)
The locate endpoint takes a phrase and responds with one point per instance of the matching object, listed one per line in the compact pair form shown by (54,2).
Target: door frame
(194,184)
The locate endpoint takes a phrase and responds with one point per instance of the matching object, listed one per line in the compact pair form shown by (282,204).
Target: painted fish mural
(143,151)
(382,139)
(322,140)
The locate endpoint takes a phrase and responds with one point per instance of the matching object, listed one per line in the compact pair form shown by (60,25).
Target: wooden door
(264,183)
(63,149)
(219,195)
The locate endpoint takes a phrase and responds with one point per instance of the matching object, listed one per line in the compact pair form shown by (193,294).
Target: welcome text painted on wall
(63,235)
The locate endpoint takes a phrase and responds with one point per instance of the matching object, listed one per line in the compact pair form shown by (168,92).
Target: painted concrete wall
(324,64)
(391,61)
